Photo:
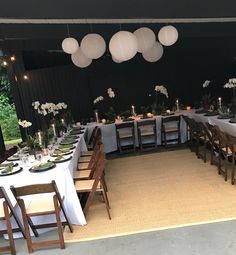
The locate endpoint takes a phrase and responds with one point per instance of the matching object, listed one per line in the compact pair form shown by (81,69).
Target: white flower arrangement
(161,89)
(24,123)
(206,83)
(98,99)
(230,84)
(110,93)
(48,108)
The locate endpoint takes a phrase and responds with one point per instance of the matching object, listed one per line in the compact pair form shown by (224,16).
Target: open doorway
(8,117)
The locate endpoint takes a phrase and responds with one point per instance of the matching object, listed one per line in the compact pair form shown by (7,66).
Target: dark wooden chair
(214,143)
(224,151)
(147,129)
(170,125)
(42,206)
(94,185)
(232,146)
(92,138)
(6,211)
(125,132)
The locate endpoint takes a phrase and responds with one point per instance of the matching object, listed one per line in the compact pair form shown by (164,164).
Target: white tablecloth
(109,133)
(224,125)
(63,176)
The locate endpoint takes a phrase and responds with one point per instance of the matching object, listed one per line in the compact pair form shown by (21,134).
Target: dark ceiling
(110,9)
(49,36)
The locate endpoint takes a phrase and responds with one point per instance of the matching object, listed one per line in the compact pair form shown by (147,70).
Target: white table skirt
(63,176)
(109,133)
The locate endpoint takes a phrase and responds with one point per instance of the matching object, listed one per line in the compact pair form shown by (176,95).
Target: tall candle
(96,116)
(177,104)
(133,111)
(54,130)
(40,138)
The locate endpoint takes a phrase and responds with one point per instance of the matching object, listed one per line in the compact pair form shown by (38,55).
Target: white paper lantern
(154,54)
(116,60)
(123,45)
(93,46)
(168,35)
(80,60)
(70,45)
(146,39)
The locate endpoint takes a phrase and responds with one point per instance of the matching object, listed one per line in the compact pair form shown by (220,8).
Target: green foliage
(158,108)
(8,119)
(111,115)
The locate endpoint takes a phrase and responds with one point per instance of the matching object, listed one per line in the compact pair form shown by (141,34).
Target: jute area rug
(158,191)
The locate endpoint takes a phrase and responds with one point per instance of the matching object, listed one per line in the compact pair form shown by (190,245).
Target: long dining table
(223,124)
(63,176)
(109,132)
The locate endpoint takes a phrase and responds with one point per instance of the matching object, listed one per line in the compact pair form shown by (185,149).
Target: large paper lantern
(168,35)
(154,54)
(93,46)
(123,45)
(70,45)
(116,60)
(80,60)
(146,39)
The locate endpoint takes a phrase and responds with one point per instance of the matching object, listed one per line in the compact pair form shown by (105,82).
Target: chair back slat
(146,123)
(32,189)
(125,125)
(171,119)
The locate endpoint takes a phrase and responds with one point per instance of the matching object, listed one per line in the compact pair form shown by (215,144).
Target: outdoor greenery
(8,118)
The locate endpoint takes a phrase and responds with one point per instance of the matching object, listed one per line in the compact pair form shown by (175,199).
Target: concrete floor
(216,238)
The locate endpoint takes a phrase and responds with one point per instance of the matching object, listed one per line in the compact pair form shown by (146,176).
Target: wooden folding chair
(42,206)
(214,142)
(6,211)
(232,146)
(94,185)
(147,129)
(224,151)
(87,163)
(125,132)
(170,125)
(97,139)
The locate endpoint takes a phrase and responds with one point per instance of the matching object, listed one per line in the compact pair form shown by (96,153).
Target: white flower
(24,123)
(161,89)
(36,105)
(206,83)
(98,99)
(110,93)
(230,84)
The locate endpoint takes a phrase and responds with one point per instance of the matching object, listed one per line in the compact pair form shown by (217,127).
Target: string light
(12,58)
(26,77)
(4,63)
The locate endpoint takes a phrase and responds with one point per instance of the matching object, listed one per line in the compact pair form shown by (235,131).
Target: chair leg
(26,225)
(9,229)
(107,203)
(104,182)
(58,222)
(232,171)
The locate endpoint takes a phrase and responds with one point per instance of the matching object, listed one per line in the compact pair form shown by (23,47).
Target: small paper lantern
(154,54)
(70,45)
(80,60)
(123,45)
(145,38)
(93,46)
(168,35)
